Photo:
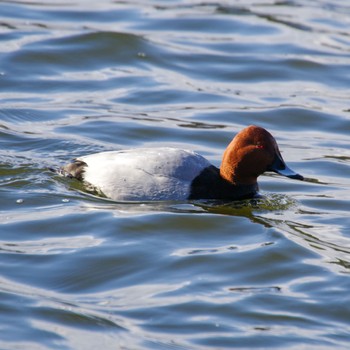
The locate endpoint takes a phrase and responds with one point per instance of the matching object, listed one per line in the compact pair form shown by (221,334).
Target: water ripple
(79,271)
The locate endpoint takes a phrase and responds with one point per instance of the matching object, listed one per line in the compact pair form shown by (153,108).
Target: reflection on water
(79,271)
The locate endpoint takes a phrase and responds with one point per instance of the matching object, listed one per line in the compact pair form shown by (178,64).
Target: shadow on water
(283,213)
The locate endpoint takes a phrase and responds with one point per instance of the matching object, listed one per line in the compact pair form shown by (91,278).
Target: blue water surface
(81,272)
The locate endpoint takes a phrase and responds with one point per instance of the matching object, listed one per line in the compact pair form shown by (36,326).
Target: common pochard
(154,174)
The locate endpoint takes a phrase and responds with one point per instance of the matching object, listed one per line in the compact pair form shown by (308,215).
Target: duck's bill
(280,167)
(289,173)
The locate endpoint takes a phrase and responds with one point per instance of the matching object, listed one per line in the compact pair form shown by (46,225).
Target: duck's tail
(72,170)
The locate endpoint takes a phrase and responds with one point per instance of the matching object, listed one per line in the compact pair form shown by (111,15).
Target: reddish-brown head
(252,152)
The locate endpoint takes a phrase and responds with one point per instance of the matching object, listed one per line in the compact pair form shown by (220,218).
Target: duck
(172,174)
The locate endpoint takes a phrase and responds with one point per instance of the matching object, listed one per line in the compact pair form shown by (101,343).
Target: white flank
(144,174)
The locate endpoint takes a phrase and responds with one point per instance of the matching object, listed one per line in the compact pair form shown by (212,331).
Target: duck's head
(252,152)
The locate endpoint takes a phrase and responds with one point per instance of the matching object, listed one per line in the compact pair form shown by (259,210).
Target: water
(82,272)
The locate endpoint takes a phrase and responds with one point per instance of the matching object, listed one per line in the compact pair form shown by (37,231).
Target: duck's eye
(259,146)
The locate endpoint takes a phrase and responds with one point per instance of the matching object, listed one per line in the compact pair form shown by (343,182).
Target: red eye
(259,146)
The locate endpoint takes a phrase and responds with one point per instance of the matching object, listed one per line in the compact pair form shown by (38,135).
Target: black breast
(210,185)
